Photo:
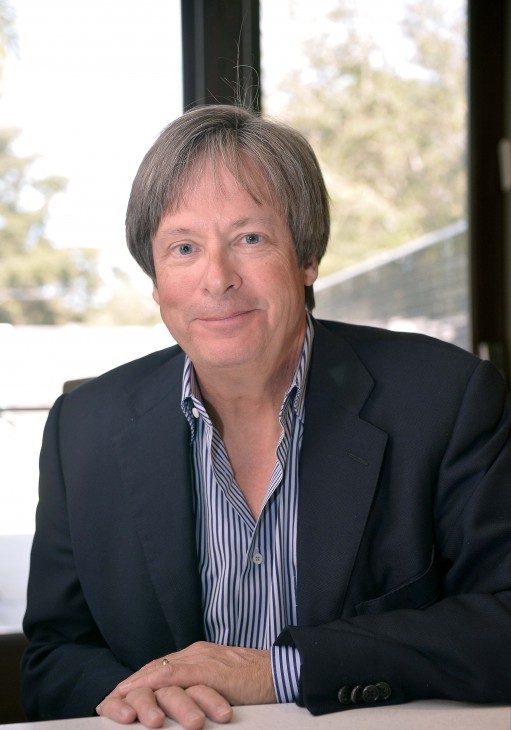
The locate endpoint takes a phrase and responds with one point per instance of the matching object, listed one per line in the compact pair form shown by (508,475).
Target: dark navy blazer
(403,537)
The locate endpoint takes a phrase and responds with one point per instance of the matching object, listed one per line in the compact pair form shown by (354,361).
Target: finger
(154,675)
(145,706)
(116,709)
(181,707)
(211,703)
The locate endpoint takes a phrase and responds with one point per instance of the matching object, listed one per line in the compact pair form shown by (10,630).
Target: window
(379,91)
(90,85)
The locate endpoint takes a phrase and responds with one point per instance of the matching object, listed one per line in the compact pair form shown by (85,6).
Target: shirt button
(195,412)
(257,558)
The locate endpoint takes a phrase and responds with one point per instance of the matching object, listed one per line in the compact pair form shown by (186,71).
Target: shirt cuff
(285,664)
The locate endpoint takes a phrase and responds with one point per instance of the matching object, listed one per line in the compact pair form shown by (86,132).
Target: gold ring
(165,661)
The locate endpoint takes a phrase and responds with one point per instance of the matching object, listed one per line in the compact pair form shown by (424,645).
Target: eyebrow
(174,231)
(242,222)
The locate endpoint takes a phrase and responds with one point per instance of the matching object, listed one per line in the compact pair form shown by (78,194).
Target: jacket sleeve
(67,668)
(458,645)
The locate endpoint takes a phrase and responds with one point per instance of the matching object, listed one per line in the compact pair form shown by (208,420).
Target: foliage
(39,284)
(390,140)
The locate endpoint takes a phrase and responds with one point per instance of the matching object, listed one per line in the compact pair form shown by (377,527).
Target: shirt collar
(191,398)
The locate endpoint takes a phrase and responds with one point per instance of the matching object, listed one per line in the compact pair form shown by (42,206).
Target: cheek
(174,291)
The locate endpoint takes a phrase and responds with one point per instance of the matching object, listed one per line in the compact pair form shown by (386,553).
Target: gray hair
(287,170)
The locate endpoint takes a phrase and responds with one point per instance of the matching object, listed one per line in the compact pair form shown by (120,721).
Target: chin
(223,358)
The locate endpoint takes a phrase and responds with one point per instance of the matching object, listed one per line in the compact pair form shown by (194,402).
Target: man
(276,509)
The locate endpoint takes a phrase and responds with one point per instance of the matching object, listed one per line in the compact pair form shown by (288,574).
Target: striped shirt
(248,566)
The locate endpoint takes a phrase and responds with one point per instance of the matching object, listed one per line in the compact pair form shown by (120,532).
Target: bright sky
(94,82)
(306,19)
(91,85)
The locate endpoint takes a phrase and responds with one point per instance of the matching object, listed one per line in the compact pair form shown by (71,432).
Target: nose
(220,273)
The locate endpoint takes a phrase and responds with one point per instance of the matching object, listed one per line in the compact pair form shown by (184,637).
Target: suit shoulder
(128,376)
(366,340)
(419,371)
(408,357)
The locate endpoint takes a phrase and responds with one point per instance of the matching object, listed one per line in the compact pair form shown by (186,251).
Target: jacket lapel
(154,459)
(340,463)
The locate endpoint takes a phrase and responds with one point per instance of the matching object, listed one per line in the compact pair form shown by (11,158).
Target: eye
(184,249)
(252,238)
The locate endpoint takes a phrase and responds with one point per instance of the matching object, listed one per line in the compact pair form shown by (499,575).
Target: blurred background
(384,93)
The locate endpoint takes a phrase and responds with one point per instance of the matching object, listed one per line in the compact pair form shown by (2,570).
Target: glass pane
(88,85)
(379,91)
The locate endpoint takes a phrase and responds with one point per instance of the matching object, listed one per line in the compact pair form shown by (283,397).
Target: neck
(230,394)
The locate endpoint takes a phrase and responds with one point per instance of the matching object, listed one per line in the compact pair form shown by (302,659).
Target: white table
(427,715)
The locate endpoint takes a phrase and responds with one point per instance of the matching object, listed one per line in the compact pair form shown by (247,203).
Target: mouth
(226,317)
(226,323)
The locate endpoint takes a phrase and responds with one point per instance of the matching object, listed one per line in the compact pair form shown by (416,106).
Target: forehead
(217,200)
(219,179)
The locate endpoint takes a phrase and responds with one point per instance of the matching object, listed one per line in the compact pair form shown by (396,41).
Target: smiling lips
(225,317)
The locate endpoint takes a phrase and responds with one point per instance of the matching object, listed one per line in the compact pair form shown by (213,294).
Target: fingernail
(155,714)
(224,712)
(194,717)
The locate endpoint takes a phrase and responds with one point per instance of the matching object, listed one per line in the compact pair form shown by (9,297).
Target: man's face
(227,279)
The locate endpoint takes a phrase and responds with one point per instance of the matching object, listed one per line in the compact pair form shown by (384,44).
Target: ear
(310,272)
(156,296)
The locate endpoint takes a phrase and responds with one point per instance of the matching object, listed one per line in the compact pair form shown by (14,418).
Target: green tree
(390,140)
(39,284)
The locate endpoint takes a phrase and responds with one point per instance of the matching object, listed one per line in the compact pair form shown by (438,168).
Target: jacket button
(344,695)
(384,690)
(370,693)
(356,694)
